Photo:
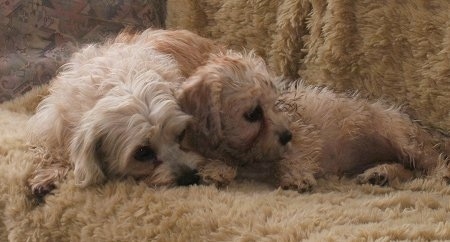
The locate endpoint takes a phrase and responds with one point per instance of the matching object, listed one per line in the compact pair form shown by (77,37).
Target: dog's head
(134,130)
(233,100)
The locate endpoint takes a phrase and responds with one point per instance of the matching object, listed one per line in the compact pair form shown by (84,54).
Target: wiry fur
(335,134)
(220,94)
(108,101)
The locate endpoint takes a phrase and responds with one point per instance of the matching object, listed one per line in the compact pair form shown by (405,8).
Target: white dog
(112,112)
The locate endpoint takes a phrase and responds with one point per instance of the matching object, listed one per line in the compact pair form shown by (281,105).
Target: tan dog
(338,135)
(111,112)
(232,98)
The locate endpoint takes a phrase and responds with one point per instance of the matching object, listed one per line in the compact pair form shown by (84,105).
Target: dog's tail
(446,146)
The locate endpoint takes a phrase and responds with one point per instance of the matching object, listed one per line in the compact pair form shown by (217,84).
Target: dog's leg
(298,169)
(414,147)
(49,171)
(216,172)
(297,174)
(44,179)
(385,174)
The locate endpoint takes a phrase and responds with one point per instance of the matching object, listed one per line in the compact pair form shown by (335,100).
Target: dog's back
(188,49)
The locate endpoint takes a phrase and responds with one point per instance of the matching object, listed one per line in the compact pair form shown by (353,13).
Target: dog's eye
(144,153)
(180,137)
(255,115)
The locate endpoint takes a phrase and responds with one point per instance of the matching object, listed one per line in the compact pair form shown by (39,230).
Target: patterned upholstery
(37,37)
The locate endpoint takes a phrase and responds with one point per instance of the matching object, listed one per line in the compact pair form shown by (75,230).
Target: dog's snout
(188,177)
(285,137)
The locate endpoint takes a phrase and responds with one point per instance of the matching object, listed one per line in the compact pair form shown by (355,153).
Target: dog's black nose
(188,177)
(285,137)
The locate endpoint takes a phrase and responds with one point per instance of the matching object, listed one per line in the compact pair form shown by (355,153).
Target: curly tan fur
(339,135)
(332,134)
(232,98)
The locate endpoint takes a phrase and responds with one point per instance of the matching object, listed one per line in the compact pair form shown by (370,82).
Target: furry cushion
(124,210)
(396,50)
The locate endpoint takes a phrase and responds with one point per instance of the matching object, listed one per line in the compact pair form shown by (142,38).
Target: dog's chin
(257,153)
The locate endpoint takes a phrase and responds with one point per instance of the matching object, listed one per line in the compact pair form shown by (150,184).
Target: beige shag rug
(338,210)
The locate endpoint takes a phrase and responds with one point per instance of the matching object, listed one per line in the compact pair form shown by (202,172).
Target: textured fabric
(36,37)
(338,210)
(395,50)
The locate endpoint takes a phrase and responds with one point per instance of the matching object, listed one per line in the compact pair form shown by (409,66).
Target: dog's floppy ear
(84,153)
(200,97)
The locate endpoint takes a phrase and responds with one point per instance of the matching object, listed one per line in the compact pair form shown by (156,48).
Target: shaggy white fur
(111,112)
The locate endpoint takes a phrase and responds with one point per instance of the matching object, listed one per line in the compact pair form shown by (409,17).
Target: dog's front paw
(303,183)
(216,173)
(373,177)
(40,188)
(44,180)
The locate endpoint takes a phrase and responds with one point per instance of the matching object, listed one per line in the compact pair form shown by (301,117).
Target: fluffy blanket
(396,50)
(123,210)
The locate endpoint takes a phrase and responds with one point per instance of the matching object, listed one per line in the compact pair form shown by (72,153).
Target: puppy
(238,127)
(237,124)
(338,135)
(111,112)
(232,98)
